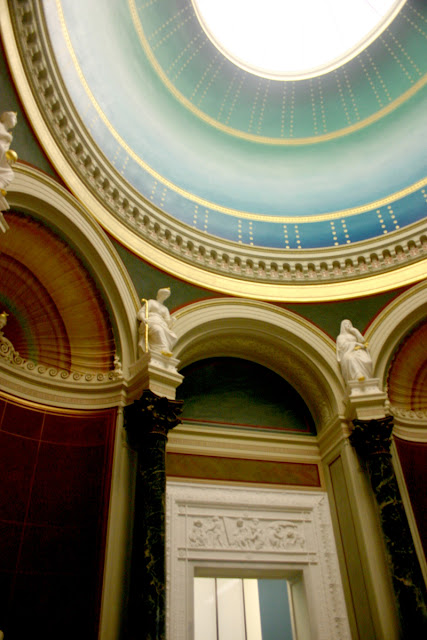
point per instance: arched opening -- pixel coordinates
(232, 392)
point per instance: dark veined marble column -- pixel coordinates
(372, 441)
(148, 421)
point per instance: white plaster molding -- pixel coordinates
(156, 372)
(58, 388)
(216, 441)
(362, 388)
(408, 424)
(398, 318)
(12, 358)
(366, 401)
(368, 267)
(84, 391)
(262, 530)
(410, 430)
(332, 437)
(414, 417)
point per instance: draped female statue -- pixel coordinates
(352, 354)
(155, 321)
(8, 157)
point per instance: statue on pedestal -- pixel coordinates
(352, 354)
(8, 157)
(155, 328)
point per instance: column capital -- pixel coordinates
(372, 437)
(151, 414)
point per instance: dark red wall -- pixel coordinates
(413, 459)
(55, 470)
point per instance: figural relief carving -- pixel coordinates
(244, 533)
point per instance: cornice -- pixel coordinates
(238, 443)
(49, 387)
(409, 425)
(364, 268)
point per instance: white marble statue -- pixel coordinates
(352, 354)
(155, 326)
(8, 157)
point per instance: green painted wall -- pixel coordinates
(25, 142)
(240, 393)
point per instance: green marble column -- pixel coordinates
(372, 441)
(148, 421)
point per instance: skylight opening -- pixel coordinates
(293, 39)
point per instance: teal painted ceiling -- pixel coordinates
(316, 163)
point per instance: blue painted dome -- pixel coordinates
(315, 163)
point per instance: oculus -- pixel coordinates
(293, 40)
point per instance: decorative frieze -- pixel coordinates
(10, 357)
(410, 414)
(245, 533)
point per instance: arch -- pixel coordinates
(389, 328)
(273, 337)
(242, 393)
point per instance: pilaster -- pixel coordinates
(148, 421)
(372, 440)
(139, 462)
(367, 583)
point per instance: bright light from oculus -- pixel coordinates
(293, 39)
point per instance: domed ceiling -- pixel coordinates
(300, 190)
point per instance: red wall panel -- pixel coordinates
(413, 459)
(55, 470)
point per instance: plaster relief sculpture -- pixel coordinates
(207, 532)
(352, 354)
(155, 328)
(283, 535)
(244, 533)
(247, 534)
(8, 157)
